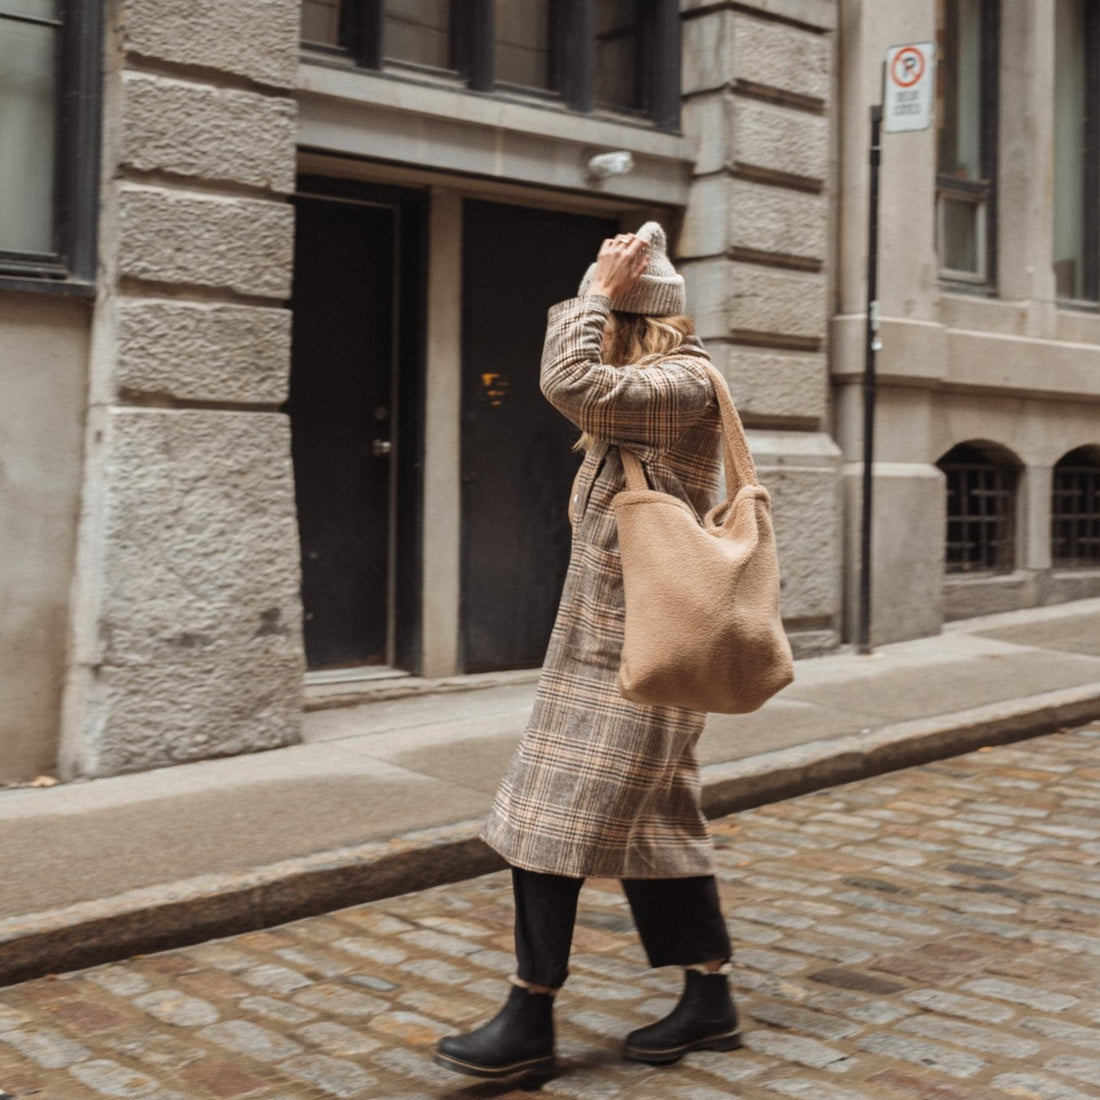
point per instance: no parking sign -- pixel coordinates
(910, 81)
(907, 105)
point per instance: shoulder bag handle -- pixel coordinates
(740, 469)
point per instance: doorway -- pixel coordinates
(517, 462)
(354, 409)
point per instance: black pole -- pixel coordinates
(872, 345)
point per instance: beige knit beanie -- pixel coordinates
(660, 291)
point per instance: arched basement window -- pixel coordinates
(1075, 509)
(981, 508)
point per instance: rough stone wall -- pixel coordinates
(755, 251)
(187, 636)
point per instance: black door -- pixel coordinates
(347, 348)
(517, 464)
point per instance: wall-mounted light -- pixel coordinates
(604, 165)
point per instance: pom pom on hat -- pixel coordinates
(654, 235)
(660, 291)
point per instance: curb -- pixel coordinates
(773, 776)
(206, 907)
(156, 918)
(338, 695)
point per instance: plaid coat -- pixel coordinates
(599, 785)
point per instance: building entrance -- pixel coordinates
(354, 368)
(516, 462)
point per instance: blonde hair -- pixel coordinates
(637, 340)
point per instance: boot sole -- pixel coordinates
(731, 1040)
(532, 1067)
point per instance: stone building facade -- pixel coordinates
(759, 84)
(196, 529)
(185, 627)
(989, 374)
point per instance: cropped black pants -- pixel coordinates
(679, 921)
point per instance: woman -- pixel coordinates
(599, 785)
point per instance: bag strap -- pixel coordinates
(636, 480)
(740, 469)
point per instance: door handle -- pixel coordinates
(381, 447)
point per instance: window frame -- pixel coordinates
(556, 61)
(982, 474)
(71, 266)
(983, 192)
(1090, 197)
(473, 46)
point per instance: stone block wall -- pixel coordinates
(755, 249)
(187, 617)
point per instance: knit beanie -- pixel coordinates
(660, 291)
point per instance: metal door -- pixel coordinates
(342, 417)
(517, 463)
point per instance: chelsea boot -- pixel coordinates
(704, 1019)
(518, 1039)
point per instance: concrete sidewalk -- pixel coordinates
(386, 797)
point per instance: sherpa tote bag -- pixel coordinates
(703, 629)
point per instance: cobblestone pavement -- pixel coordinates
(928, 934)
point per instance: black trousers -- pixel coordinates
(679, 921)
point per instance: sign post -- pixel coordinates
(907, 107)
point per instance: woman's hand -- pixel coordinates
(621, 262)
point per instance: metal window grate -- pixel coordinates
(1075, 510)
(981, 511)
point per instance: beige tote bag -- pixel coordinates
(703, 629)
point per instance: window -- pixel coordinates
(981, 509)
(1075, 509)
(618, 28)
(590, 55)
(525, 47)
(966, 120)
(417, 32)
(49, 97)
(321, 22)
(1076, 156)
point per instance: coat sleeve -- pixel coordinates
(644, 406)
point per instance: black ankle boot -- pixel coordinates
(518, 1039)
(704, 1019)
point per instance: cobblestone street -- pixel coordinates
(929, 934)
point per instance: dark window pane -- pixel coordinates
(523, 43)
(321, 21)
(961, 249)
(27, 130)
(418, 31)
(1070, 129)
(618, 43)
(960, 108)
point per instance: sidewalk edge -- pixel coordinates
(170, 915)
(770, 777)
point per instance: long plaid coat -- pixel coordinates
(599, 785)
